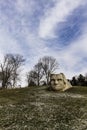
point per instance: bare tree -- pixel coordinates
(35, 75)
(49, 65)
(39, 72)
(44, 68)
(9, 69)
(31, 78)
(18, 60)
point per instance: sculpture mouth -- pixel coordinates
(57, 85)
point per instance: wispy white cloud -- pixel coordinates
(55, 15)
(25, 6)
(8, 44)
(73, 58)
(20, 5)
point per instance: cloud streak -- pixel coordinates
(56, 15)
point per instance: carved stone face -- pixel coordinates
(59, 82)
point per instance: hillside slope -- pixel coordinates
(36, 108)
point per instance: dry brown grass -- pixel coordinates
(39, 109)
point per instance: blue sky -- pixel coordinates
(36, 28)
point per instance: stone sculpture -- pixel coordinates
(59, 82)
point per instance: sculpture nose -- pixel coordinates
(56, 82)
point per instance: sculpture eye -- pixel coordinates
(52, 79)
(59, 79)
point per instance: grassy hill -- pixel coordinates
(36, 108)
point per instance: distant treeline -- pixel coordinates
(79, 80)
(10, 69)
